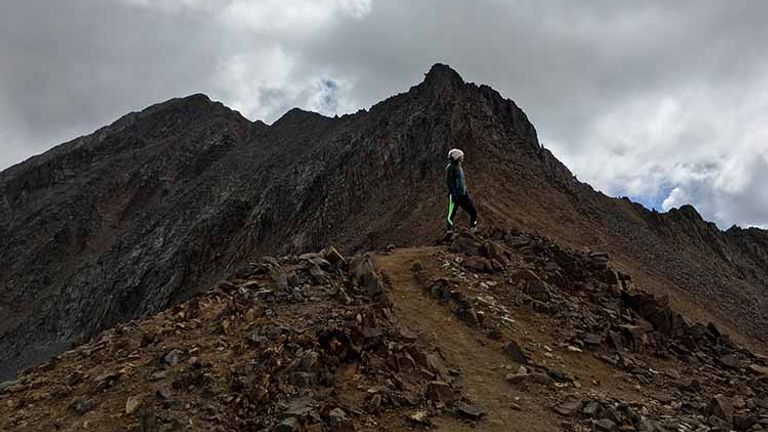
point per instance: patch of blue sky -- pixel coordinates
(654, 201)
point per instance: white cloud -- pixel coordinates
(707, 145)
(325, 98)
(261, 84)
(272, 18)
(262, 47)
(291, 18)
(734, 194)
(255, 82)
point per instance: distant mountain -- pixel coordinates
(164, 202)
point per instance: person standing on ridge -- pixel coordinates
(458, 196)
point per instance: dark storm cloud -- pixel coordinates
(67, 68)
(662, 101)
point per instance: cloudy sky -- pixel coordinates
(665, 102)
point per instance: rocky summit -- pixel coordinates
(162, 273)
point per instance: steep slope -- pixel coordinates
(161, 204)
(76, 223)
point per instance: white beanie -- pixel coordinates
(455, 154)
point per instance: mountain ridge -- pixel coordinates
(128, 220)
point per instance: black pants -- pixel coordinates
(465, 202)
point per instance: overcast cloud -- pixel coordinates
(662, 101)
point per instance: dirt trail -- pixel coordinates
(481, 364)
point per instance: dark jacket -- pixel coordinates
(454, 178)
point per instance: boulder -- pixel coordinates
(598, 260)
(610, 277)
(758, 369)
(523, 275)
(516, 353)
(612, 414)
(658, 312)
(743, 422)
(366, 277)
(537, 289)
(82, 406)
(518, 379)
(472, 412)
(319, 277)
(541, 378)
(606, 425)
(636, 337)
(301, 408)
(517, 241)
(615, 340)
(690, 384)
(107, 380)
(159, 375)
(333, 256)
(720, 406)
(648, 425)
(464, 244)
(493, 251)
(173, 357)
(592, 409)
(521, 377)
(163, 393)
(436, 365)
(290, 424)
(419, 417)
(570, 408)
(132, 404)
(406, 334)
(271, 261)
(592, 340)
(339, 422)
(469, 315)
(479, 264)
(440, 392)
(730, 361)
(718, 423)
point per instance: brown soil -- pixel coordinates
(480, 360)
(481, 364)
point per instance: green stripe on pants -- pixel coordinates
(451, 205)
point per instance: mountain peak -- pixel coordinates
(443, 77)
(296, 116)
(688, 211)
(194, 102)
(197, 99)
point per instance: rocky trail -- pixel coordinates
(480, 366)
(501, 331)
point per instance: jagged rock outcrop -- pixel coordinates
(157, 206)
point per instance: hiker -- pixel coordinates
(458, 195)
